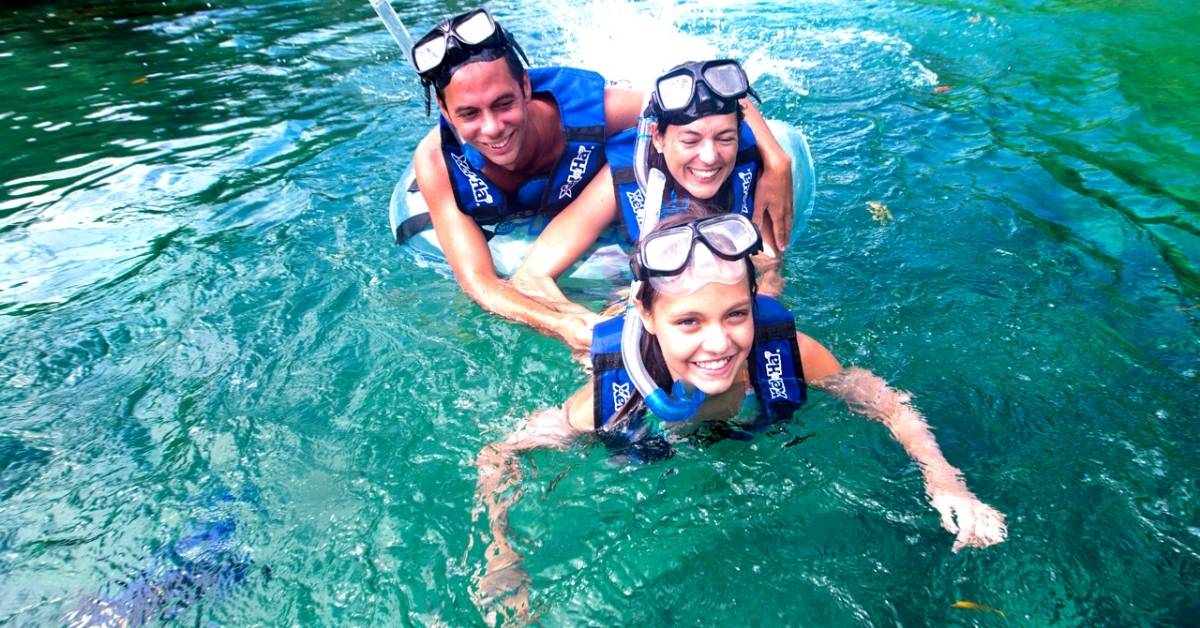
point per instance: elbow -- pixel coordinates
(864, 392)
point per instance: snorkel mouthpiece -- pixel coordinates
(682, 404)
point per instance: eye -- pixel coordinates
(728, 139)
(738, 315)
(468, 115)
(504, 105)
(687, 322)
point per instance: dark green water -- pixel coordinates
(198, 294)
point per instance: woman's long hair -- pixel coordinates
(651, 352)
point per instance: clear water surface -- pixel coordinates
(199, 297)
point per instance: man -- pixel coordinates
(511, 142)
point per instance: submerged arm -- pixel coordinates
(974, 523)
(498, 488)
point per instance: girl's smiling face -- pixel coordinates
(705, 336)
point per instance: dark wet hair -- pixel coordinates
(515, 69)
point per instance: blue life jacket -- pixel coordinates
(579, 95)
(776, 375)
(620, 152)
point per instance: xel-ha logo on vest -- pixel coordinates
(747, 177)
(479, 187)
(621, 393)
(775, 383)
(637, 200)
(578, 166)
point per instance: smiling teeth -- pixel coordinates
(500, 145)
(713, 365)
(705, 174)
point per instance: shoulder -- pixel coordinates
(429, 152)
(579, 409)
(818, 361)
(622, 107)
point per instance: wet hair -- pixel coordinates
(515, 69)
(652, 355)
(655, 159)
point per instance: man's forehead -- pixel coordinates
(479, 83)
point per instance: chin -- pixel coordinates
(711, 388)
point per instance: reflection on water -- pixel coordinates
(198, 294)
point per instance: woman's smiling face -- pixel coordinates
(701, 154)
(705, 336)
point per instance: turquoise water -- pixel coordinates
(198, 297)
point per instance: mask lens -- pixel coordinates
(475, 28)
(668, 250)
(731, 236)
(674, 92)
(726, 79)
(428, 54)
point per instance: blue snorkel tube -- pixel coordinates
(684, 400)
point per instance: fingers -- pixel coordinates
(783, 226)
(980, 526)
(947, 512)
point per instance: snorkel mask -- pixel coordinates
(696, 89)
(465, 38)
(673, 264)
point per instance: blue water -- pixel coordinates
(198, 294)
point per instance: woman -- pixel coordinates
(707, 327)
(708, 151)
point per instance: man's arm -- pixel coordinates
(467, 252)
(622, 108)
(773, 202)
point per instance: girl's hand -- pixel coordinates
(974, 523)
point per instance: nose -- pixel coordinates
(491, 124)
(716, 340)
(708, 152)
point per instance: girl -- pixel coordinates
(706, 327)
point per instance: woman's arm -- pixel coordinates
(974, 523)
(568, 236)
(498, 488)
(773, 202)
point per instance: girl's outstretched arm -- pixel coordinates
(498, 488)
(974, 523)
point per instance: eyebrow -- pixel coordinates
(742, 305)
(470, 108)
